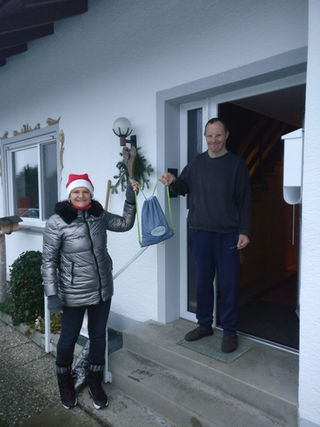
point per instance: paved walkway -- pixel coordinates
(28, 387)
(29, 393)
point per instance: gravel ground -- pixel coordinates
(28, 387)
(29, 393)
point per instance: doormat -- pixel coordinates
(211, 347)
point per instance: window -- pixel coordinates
(30, 175)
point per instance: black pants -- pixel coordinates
(71, 322)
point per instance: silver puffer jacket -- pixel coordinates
(76, 265)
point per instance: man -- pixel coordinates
(218, 186)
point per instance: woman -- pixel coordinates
(77, 276)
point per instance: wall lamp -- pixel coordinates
(122, 128)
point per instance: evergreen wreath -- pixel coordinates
(142, 171)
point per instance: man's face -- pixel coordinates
(216, 138)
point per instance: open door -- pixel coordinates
(269, 266)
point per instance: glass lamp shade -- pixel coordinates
(122, 127)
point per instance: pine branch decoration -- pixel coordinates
(142, 171)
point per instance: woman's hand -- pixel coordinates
(134, 186)
(54, 304)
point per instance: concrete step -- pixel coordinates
(122, 411)
(181, 398)
(263, 377)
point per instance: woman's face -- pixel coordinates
(80, 197)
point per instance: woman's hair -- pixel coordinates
(215, 120)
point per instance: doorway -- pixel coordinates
(269, 266)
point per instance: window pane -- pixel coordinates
(49, 178)
(195, 133)
(25, 182)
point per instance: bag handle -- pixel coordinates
(169, 204)
(137, 214)
(170, 211)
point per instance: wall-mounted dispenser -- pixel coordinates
(292, 172)
(292, 166)
(292, 180)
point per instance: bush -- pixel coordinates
(6, 307)
(26, 288)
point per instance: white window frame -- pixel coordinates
(33, 139)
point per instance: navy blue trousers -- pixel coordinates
(216, 252)
(71, 322)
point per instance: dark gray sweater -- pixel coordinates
(219, 193)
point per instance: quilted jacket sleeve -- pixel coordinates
(121, 223)
(50, 256)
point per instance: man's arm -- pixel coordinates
(178, 186)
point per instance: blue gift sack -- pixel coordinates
(155, 227)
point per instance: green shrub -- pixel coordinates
(141, 172)
(26, 288)
(6, 307)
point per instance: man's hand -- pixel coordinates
(167, 178)
(243, 241)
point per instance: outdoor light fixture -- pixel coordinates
(123, 128)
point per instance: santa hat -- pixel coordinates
(75, 181)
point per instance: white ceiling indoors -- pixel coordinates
(286, 105)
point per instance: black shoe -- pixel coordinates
(66, 387)
(99, 397)
(198, 333)
(229, 343)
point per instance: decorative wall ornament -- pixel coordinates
(61, 139)
(26, 128)
(51, 121)
(141, 173)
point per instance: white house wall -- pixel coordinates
(309, 372)
(110, 62)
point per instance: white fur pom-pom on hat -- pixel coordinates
(75, 181)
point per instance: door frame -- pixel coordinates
(184, 108)
(280, 71)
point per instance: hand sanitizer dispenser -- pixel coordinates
(292, 166)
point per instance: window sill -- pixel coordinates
(32, 228)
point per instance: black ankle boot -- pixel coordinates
(66, 387)
(95, 377)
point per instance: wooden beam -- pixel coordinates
(15, 38)
(4, 53)
(42, 13)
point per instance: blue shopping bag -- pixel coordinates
(154, 224)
